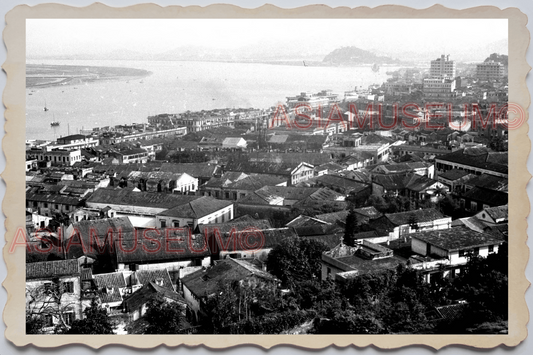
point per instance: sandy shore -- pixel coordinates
(38, 75)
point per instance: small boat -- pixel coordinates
(54, 123)
(45, 108)
(304, 63)
(375, 67)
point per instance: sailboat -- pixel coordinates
(45, 108)
(375, 67)
(305, 64)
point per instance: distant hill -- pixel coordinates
(500, 58)
(356, 56)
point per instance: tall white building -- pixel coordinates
(442, 67)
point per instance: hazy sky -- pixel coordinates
(75, 36)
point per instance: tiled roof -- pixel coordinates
(49, 269)
(146, 276)
(453, 174)
(197, 208)
(90, 230)
(154, 247)
(209, 229)
(197, 170)
(114, 279)
(457, 238)
(486, 196)
(253, 239)
(479, 158)
(139, 198)
(498, 212)
(54, 198)
(490, 182)
(421, 216)
(147, 292)
(203, 283)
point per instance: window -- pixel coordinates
(491, 248)
(163, 223)
(461, 253)
(47, 287)
(69, 318)
(476, 251)
(68, 287)
(48, 320)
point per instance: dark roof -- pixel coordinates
(498, 212)
(54, 198)
(421, 216)
(196, 170)
(486, 196)
(197, 208)
(238, 225)
(453, 174)
(140, 198)
(335, 181)
(146, 276)
(479, 158)
(50, 269)
(283, 169)
(490, 182)
(252, 239)
(330, 240)
(149, 291)
(153, 246)
(114, 279)
(90, 230)
(457, 238)
(204, 283)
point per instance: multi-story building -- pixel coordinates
(323, 98)
(439, 87)
(73, 142)
(58, 157)
(442, 67)
(490, 70)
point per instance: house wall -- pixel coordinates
(70, 302)
(223, 215)
(442, 223)
(243, 253)
(193, 301)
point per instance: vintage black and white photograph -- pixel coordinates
(267, 176)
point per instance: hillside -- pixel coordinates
(500, 58)
(356, 56)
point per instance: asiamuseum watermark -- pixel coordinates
(148, 240)
(430, 116)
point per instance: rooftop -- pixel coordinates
(457, 238)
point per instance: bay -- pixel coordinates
(178, 86)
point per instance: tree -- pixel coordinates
(296, 260)
(413, 221)
(96, 321)
(49, 299)
(34, 324)
(351, 228)
(164, 317)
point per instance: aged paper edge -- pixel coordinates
(14, 149)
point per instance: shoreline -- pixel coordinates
(50, 75)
